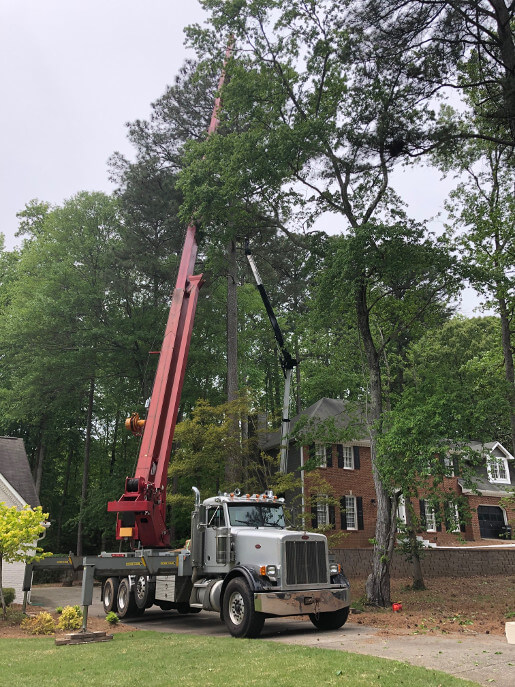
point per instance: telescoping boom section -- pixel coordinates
(141, 511)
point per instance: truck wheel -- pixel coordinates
(143, 592)
(330, 621)
(110, 594)
(126, 603)
(239, 614)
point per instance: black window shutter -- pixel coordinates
(456, 465)
(343, 514)
(422, 505)
(329, 455)
(437, 517)
(332, 518)
(312, 451)
(359, 508)
(340, 455)
(356, 457)
(463, 526)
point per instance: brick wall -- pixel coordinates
(343, 482)
(436, 562)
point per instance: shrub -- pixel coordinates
(59, 610)
(112, 618)
(14, 617)
(71, 618)
(42, 624)
(9, 595)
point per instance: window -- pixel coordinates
(348, 457)
(452, 517)
(322, 510)
(430, 517)
(321, 455)
(401, 510)
(497, 468)
(351, 512)
(215, 516)
(449, 466)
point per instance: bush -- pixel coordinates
(59, 610)
(71, 618)
(9, 595)
(14, 617)
(112, 618)
(42, 624)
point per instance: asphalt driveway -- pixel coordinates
(485, 659)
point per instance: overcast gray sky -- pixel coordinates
(73, 72)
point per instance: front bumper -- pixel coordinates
(302, 602)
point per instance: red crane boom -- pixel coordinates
(141, 510)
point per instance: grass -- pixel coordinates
(164, 659)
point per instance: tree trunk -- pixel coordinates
(113, 445)
(508, 362)
(231, 465)
(39, 465)
(63, 499)
(85, 471)
(2, 600)
(418, 578)
(378, 582)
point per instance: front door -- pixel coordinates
(491, 521)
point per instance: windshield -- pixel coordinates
(256, 515)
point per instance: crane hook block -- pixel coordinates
(135, 425)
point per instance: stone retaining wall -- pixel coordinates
(436, 562)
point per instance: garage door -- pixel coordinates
(491, 521)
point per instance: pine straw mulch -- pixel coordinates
(466, 605)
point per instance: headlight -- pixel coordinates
(335, 569)
(268, 570)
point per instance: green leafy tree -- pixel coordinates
(482, 212)
(436, 38)
(312, 120)
(454, 393)
(19, 531)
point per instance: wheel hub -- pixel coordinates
(236, 608)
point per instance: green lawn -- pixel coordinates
(162, 660)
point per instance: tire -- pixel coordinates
(125, 599)
(330, 621)
(165, 605)
(238, 608)
(143, 592)
(110, 595)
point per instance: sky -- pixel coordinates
(74, 72)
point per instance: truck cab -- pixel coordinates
(247, 565)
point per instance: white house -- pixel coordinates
(16, 489)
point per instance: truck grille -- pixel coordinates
(305, 562)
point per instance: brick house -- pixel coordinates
(16, 489)
(347, 502)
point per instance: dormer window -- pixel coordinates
(498, 471)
